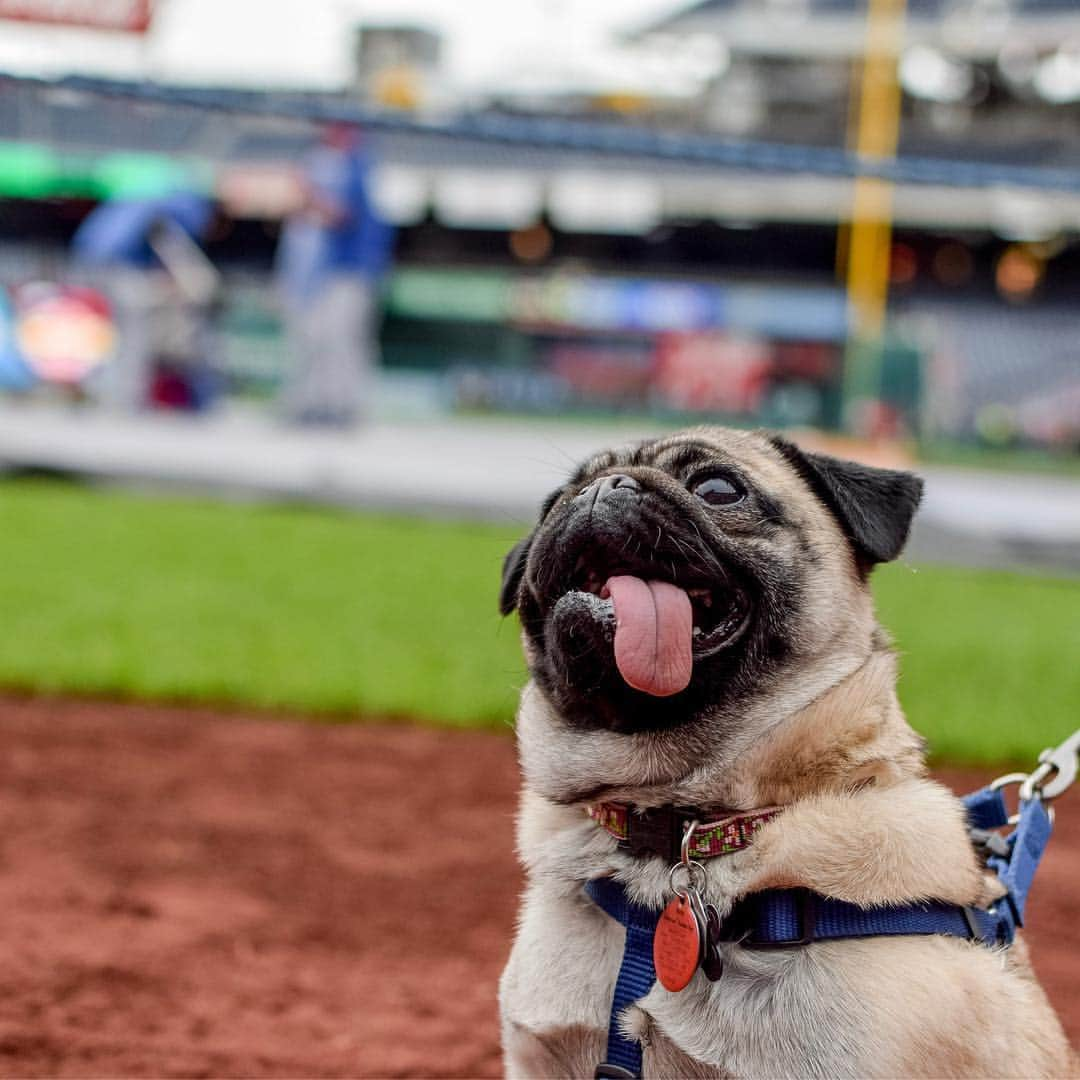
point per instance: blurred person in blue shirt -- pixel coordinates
(333, 253)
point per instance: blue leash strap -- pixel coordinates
(1028, 844)
(986, 808)
(788, 918)
(636, 973)
(1014, 858)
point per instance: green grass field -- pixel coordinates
(118, 594)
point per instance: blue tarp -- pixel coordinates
(117, 231)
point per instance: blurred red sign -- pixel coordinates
(63, 331)
(712, 372)
(131, 16)
(606, 373)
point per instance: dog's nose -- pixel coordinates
(604, 487)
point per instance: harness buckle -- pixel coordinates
(1003, 926)
(989, 843)
(807, 926)
(973, 925)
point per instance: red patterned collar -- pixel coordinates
(659, 830)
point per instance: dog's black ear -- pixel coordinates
(513, 572)
(874, 506)
(518, 555)
(513, 565)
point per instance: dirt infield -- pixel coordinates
(187, 894)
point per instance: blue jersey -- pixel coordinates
(361, 242)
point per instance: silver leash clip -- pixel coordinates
(1056, 771)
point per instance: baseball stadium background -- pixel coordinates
(258, 782)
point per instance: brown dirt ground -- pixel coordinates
(190, 894)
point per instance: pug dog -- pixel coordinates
(698, 624)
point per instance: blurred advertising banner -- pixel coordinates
(603, 372)
(698, 374)
(129, 16)
(713, 372)
(605, 343)
(607, 303)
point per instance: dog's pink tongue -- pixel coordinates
(654, 626)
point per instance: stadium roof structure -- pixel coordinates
(974, 29)
(489, 170)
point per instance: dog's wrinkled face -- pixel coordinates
(679, 578)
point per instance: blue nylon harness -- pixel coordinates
(789, 918)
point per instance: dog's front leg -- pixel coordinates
(882, 845)
(556, 988)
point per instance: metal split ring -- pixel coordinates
(695, 877)
(687, 836)
(1009, 778)
(1030, 788)
(1032, 785)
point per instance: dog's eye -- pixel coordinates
(718, 490)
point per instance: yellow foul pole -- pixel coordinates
(869, 238)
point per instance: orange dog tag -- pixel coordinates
(677, 944)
